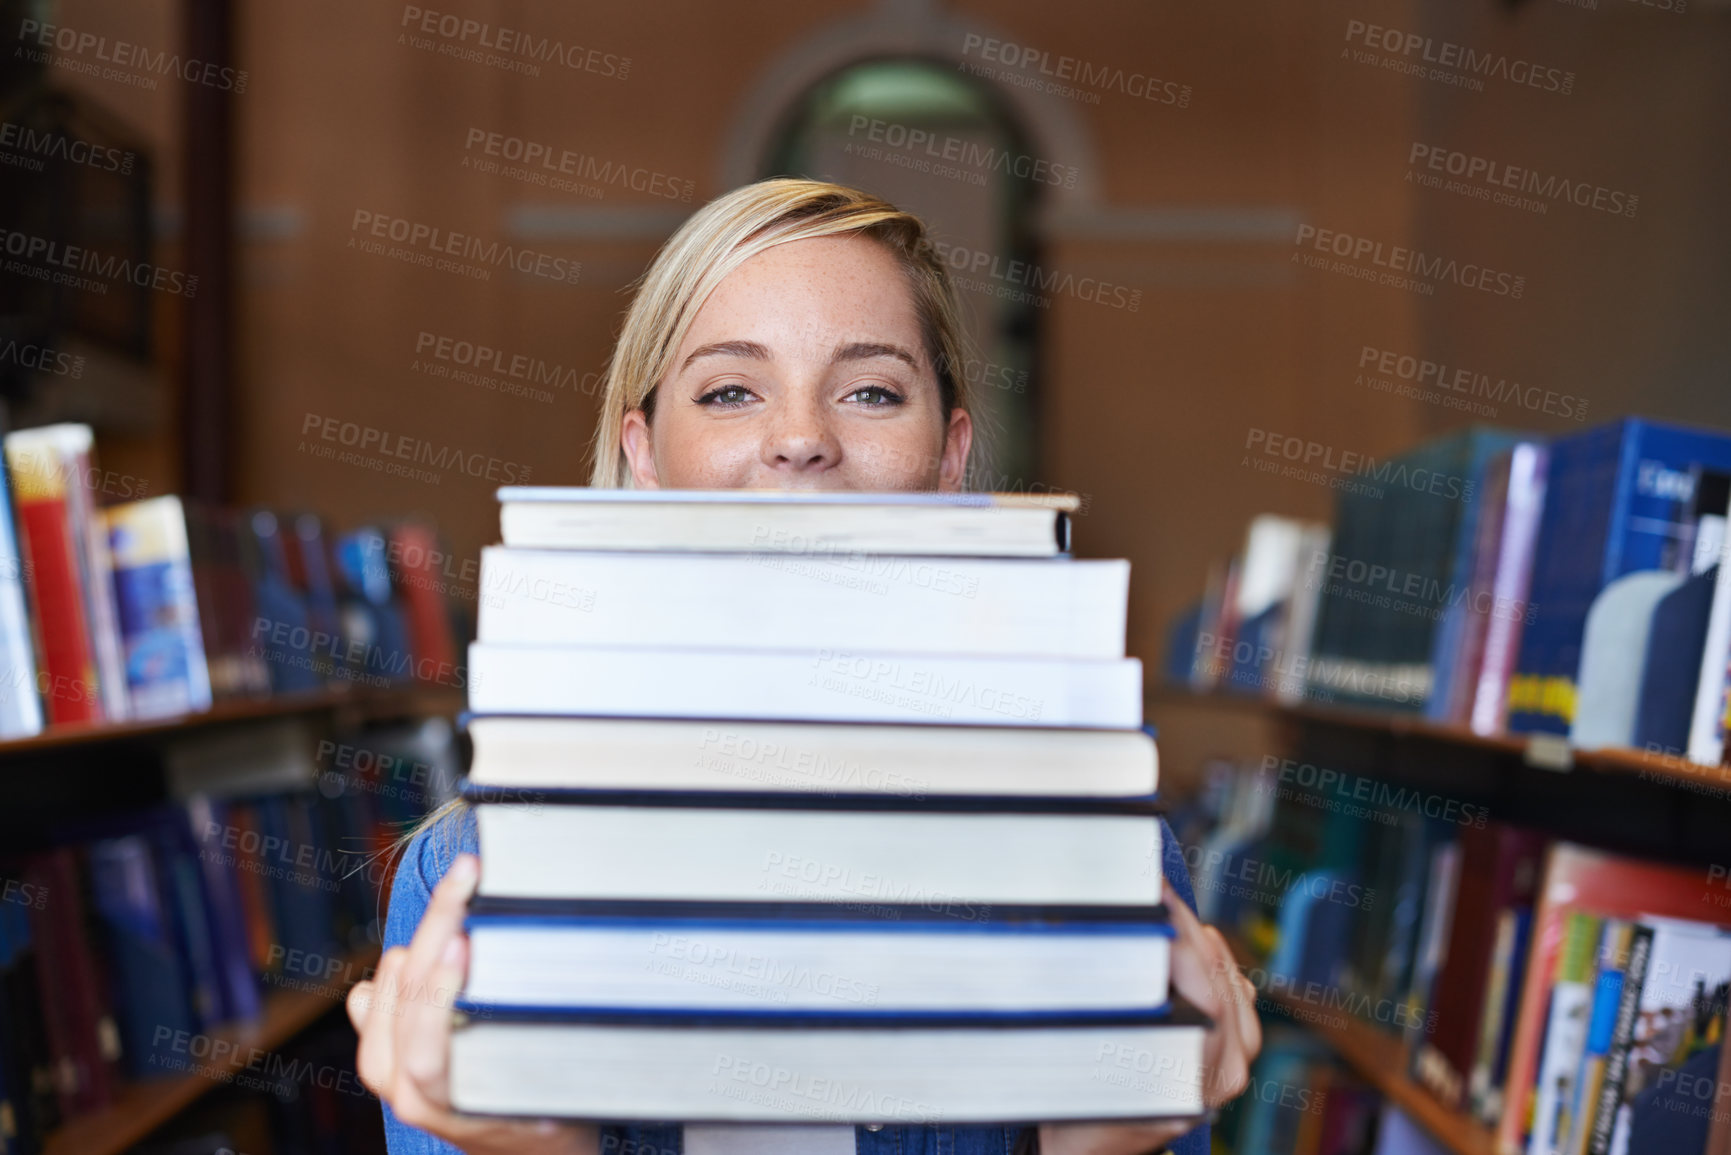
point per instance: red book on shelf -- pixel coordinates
(413, 550)
(1499, 869)
(56, 597)
(1576, 878)
(82, 1038)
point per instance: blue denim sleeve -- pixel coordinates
(423, 863)
(1178, 880)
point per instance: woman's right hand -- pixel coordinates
(403, 1016)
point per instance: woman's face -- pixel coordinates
(804, 369)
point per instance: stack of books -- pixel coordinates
(803, 807)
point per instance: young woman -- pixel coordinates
(794, 335)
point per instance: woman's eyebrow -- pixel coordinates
(851, 351)
(749, 349)
(865, 350)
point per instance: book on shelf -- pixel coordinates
(125, 934)
(1391, 619)
(911, 851)
(1500, 603)
(47, 491)
(1578, 880)
(1711, 704)
(1671, 666)
(1506, 596)
(158, 607)
(1620, 500)
(20, 706)
(1614, 641)
(166, 666)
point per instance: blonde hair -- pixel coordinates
(724, 234)
(714, 241)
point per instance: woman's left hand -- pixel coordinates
(1205, 973)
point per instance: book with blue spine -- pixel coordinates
(150, 972)
(1480, 449)
(20, 705)
(166, 668)
(794, 959)
(1402, 564)
(1620, 500)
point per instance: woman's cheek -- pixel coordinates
(708, 456)
(891, 459)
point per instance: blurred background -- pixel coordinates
(422, 221)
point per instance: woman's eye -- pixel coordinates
(876, 396)
(726, 397)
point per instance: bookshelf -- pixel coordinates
(141, 1108)
(1585, 796)
(1380, 1059)
(1540, 751)
(366, 703)
(1683, 810)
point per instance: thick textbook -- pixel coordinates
(805, 685)
(701, 1070)
(810, 522)
(827, 758)
(1061, 609)
(958, 854)
(650, 960)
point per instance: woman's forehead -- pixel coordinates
(805, 298)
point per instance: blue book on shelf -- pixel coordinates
(371, 613)
(282, 627)
(1672, 665)
(185, 902)
(1478, 449)
(1255, 652)
(299, 877)
(166, 673)
(1620, 499)
(20, 706)
(226, 914)
(147, 969)
(1181, 642)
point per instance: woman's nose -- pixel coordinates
(800, 440)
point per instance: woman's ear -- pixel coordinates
(953, 465)
(634, 439)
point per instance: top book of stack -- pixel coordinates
(784, 521)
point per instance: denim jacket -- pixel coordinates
(425, 861)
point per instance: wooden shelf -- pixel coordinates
(1544, 751)
(140, 1108)
(1380, 1059)
(408, 699)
